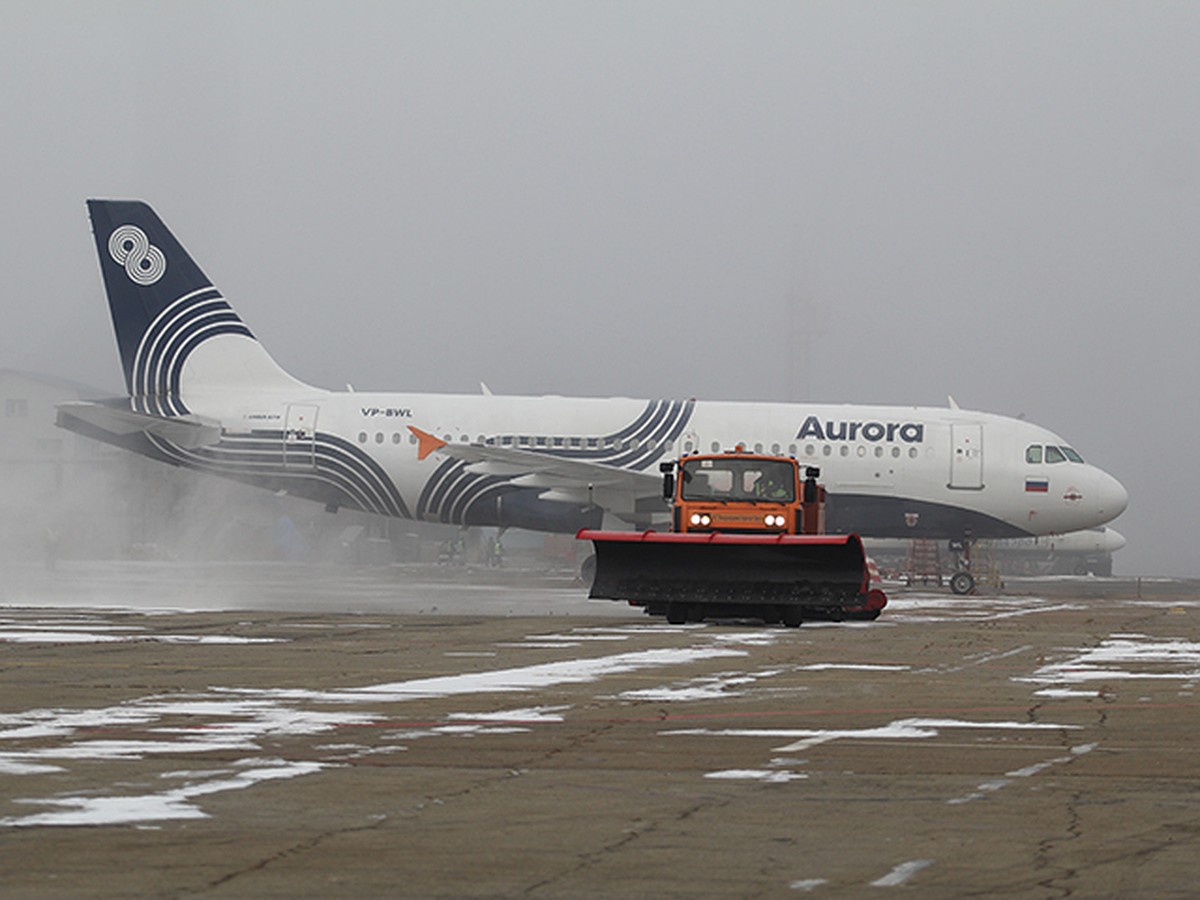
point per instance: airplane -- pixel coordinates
(204, 393)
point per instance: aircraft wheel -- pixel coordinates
(962, 582)
(677, 613)
(1081, 568)
(587, 571)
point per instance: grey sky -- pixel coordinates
(875, 202)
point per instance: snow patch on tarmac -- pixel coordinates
(522, 716)
(89, 630)
(175, 803)
(920, 607)
(767, 776)
(901, 729)
(1119, 657)
(709, 687)
(524, 678)
(239, 720)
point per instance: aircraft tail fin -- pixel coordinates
(177, 336)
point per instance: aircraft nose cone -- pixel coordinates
(1111, 496)
(1113, 540)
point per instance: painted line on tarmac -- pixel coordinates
(990, 787)
(902, 873)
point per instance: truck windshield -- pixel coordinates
(738, 479)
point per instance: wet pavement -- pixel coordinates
(257, 731)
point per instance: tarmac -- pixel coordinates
(169, 730)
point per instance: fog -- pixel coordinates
(845, 202)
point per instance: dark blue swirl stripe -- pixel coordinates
(170, 339)
(336, 463)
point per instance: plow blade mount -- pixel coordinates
(809, 575)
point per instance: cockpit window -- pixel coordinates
(1054, 455)
(1033, 453)
(1072, 455)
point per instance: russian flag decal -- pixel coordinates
(1037, 485)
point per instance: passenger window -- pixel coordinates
(1054, 455)
(1033, 453)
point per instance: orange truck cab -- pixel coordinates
(742, 493)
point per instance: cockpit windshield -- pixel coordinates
(1036, 453)
(738, 479)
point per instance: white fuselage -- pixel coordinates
(891, 471)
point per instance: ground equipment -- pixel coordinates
(746, 541)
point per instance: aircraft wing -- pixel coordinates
(561, 477)
(185, 431)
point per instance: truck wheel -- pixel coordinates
(677, 613)
(962, 582)
(792, 617)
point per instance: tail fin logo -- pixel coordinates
(129, 247)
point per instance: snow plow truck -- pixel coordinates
(747, 541)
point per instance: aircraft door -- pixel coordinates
(300, 437)
(966, 457)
